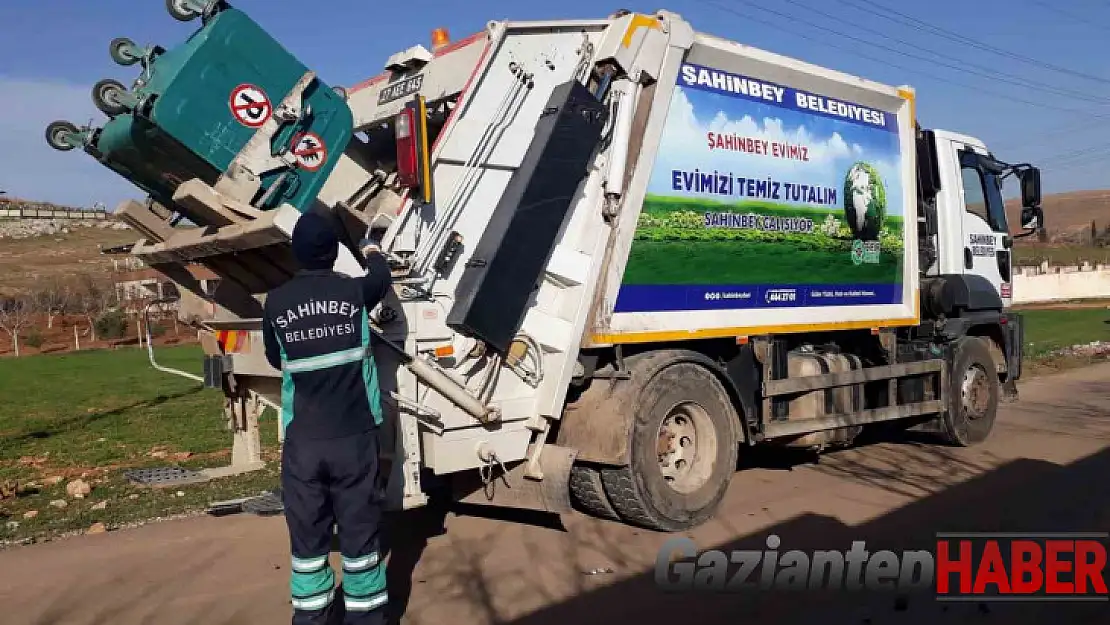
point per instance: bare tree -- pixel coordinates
(15, 315)
(93, 297)
(138, 301)
(54, 300)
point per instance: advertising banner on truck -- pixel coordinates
(765, 196)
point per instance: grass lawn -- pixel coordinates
(1051, 329)
(95, 414)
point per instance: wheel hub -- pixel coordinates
(686, 447)
(677, 435)
(975, 392)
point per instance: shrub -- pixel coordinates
(111, 325)
(34, 339)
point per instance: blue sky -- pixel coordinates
(43, 78)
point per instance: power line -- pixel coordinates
(887, 49)
(1093, 154)
(1067, 14)
(913, 22)
(1057, 131)
(1072, 154)
(986, 75)
(1014, 79)
(1074, 167)
(978, 89)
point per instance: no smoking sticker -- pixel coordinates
(250, 106)
(310, 151)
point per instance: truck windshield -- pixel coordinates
(982, 192)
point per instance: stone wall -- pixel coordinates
(1047, 283)
(28, 228)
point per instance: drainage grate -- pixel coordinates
(163, 476)
(265, 505)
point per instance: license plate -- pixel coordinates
(400, 89)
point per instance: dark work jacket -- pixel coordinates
(316, 334)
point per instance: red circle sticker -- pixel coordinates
(310, 151)
(250, 106)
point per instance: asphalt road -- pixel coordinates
(1045, 468)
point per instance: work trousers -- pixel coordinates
(327, 482)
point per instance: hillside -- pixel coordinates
(36, 251)
(25, 262)
(1068, 216)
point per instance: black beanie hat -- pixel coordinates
(315, 243)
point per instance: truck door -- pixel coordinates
(986, 238)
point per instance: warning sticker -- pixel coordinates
(250, 106)
(310, 151)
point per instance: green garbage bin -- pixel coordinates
(202, 101)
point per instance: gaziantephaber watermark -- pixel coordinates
(961, 567)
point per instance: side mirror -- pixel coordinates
(1030, 188)
(928, 170)
(1032, 218)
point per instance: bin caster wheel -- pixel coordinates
(109, 96)
(124, 51)
(60, 136)
(182, 10)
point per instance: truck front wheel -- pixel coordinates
(973, 394)
(683, 451)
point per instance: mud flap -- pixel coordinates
(1015, 354)
(509, 488)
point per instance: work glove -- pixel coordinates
(372, 241)
(369, 246)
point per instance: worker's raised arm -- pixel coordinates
(377, 281)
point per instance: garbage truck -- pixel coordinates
(624, 252)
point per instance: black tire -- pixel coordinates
(107, 97)
(588, 493)
(120, 49)
(973, 397)
(179, 12)
(55, 135)
(639, 492)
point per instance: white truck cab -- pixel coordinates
(967, 238)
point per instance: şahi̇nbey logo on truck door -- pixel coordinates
(981, 244)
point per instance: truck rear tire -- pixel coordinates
(683, 451)
(973, 394)
(588, 493)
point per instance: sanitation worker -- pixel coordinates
(316, 334)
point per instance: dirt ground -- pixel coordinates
(1044, 469)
